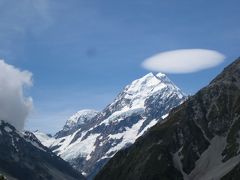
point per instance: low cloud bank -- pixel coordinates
(14, 106)
(183, 61)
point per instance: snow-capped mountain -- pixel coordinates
(89, 138)
(23, 157)
(81, 117)
(198, 141)
(77, 121)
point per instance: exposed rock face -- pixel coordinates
(199, 140)
(23, 157)
(139, 106)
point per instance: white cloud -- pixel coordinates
(183, 61)
(14, 106)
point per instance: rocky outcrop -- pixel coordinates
(23, 157)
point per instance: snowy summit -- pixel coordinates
(89, 138)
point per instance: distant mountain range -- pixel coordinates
(90, 138)
(23, 157)
(199, 140)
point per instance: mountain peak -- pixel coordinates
(138, 107)
(198, 140)
(80, 118)
(149, 74)
(139, 90)
(145, 84)
(152, 75)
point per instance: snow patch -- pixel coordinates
(80, 148)
(64, 142)
(118, 116)
(128, 137)
(151, 124)
(164, 116)
(44, 138)
(7, 129)
(80, 117)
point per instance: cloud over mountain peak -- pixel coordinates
(14, 106)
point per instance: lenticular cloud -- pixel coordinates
(14, 106)
(183, 61)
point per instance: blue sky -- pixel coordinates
(82, 53)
